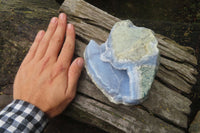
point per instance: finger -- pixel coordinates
(31, 53)
(67, 51)
(73, 76)
(45, 41)
(57, 40)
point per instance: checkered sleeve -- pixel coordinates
(22, 117)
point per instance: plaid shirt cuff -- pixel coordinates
(22, 117)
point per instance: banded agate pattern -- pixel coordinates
(124, 67)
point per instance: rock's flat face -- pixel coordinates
(124, 67)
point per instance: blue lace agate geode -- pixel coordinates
(124, 67)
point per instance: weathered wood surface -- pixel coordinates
(166, 109)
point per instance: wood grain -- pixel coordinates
(176, 76)
(116, 119)
(165, 110)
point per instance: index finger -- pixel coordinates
(67, 51)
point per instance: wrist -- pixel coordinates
(22, 116)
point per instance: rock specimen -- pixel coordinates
(124, 67)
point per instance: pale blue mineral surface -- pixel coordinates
(124, 67)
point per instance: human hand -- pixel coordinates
(46, 77)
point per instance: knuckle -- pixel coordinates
(69, 45)
(42, 43)
(44, 63)
(70, 97)
(58, 70)
(75, 70)
(45, 60)
(51, 27)
(53, 22)
(57, 39)
(62, 23)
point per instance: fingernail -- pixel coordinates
(69, 26)
(40, 32)
(54, 20)
(62, 16)
(80, 62)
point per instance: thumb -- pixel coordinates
(73, 76)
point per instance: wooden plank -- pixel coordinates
(81, 12)
(162, 101)
(173, 76)
(172, 80)
(166, 104)
(158, 103)
(187, 73)
(172, 97)
(89, 26)
(78, 114)
(124, 122)
(176, 67)
(171, 50)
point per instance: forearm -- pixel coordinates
(21, 116)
